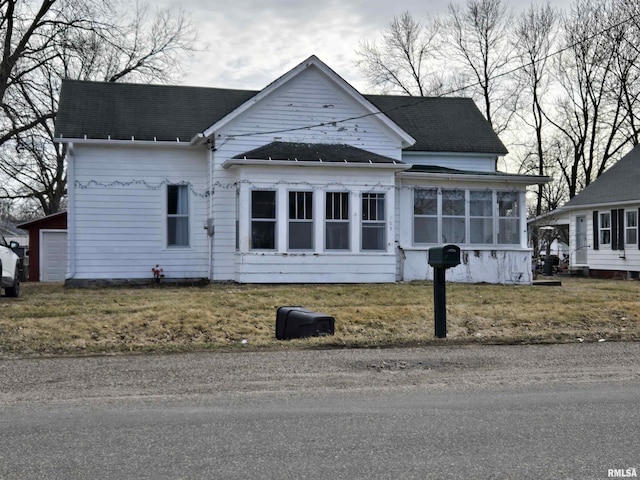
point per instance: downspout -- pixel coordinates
(71, 217)
(210, 227)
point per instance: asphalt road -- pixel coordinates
(520, 412)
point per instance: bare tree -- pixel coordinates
(402, 60)
(95, 40)
(590, 113)
(534, 31)
(480, 36)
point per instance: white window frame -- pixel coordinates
(373, 218)
(330, 214)
(631, 227)
(182, 204)
(272, 220)
(513, 218)
(604, 228)
(425, 216)
(301, 213)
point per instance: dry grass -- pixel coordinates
(52, 319)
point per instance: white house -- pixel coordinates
(304, 181)
(603, 222)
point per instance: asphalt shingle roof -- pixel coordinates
(315, 152)
(120, 111)
(620, 183)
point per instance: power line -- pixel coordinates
(419, 100)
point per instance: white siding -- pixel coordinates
(308, 99)
(506, 266)
(53, 255)
(604, 258)
(457, 161)
(317, 266)
(119, 211)
(495, 263)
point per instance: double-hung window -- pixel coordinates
(373, 222)
(300, 220)
(177, 215)
(481, 217)
(631, 227)
(508, 218)
(263, 219)
(337, 221)
(605, 228)
(425, 215)
(453, 216)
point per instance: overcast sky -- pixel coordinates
(247, 44)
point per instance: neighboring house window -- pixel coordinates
(425, 215)
(605, 229)
(263, 219)
(453, 216)
(631, 227)
(508, 218)
(481, 217)
(177, 215)
(337, 221)
(373, 222)
(301, 220)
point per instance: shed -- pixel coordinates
(47, 247)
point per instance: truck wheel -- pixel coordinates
(14, 290)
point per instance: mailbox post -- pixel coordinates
(441, 258)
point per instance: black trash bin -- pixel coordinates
(300, 322)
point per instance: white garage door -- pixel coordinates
(53, 255)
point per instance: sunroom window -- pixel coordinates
(453, 216)
(373, 222)
(301, 220)
(508, 218)
(337, 221)
(481, 217)
(263, 220)
(425, 215)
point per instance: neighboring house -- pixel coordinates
(304, 181)
(47, 248)
(603, 222)
(11, 233)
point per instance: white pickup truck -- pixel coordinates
(9, 266)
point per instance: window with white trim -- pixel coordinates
(508, 217)
(471, 217)
(263, 220)
(631, 227)
(374, 229)
(605, 228)
(337, 223)
(425, 215)
(453, 216)
(481, 217)
(300, 220)
(177, 215)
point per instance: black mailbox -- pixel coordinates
(299, 322)
(444, 256)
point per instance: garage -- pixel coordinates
(47, 248)
(53, 255)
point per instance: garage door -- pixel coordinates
(53, 255)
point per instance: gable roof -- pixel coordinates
(125, 111)
(619, 184)
(441, 124)
(314, 62)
